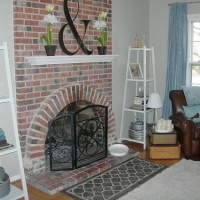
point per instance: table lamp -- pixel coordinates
(154, 102)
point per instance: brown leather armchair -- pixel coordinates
(188, 132)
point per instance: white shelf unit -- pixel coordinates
(9, 118)
(144, 58)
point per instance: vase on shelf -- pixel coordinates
(102, 50)
(50, 50)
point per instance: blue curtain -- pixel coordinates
(177, 53)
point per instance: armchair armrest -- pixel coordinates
(195, 116)
(186, 125)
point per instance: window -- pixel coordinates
(193, 69)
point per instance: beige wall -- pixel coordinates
(130, 17)
(6, 24)
(158, 24)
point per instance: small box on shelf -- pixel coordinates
(163, 138)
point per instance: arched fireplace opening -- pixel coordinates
(77, 136)
(35, 159)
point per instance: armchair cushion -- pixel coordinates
(190, 111)
(192, 95)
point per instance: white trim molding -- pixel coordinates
(47, 60)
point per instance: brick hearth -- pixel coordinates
(54, 182)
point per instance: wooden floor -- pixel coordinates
(35, 194)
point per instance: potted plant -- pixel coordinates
(100, 25)
(49, 19)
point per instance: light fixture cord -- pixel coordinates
(154, 119)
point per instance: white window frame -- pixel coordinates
(191, 18)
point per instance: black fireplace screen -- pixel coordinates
(77, 137)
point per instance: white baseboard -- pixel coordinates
(15, 178)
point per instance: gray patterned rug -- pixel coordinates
(115, 182)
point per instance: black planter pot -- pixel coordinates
(102, 50)
(50, 50)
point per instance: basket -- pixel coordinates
(165, 151)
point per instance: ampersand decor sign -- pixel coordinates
(74, 31)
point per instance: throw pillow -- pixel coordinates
(192, 95)
(190, 111)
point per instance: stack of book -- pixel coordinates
(2, 137)
(3, 141)
(138, 102)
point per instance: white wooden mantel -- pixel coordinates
(49, 60)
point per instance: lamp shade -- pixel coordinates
(154, 101)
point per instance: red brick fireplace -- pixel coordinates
(49, 108)
(43, 90)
